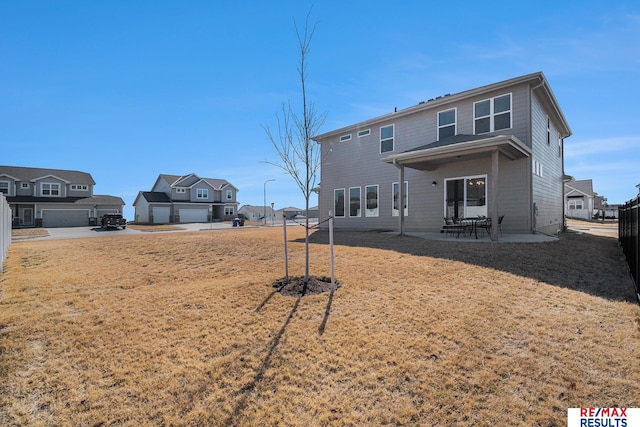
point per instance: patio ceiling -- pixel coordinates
(458, 148)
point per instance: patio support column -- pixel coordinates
(493, 194)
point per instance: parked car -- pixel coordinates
(114, 221)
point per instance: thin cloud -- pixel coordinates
(578, 149)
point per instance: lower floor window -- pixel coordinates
(354, 201)
(228, 210)
(396, 196)
(338, 202)
(466, 197)
(371, 194)
(575, 204)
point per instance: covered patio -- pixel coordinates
(457, 148)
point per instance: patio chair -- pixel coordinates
(450, 226)
(484, 224)
(500, 218)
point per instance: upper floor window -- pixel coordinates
(446, 123)
(346, 137)
(181, 190)
(4, 187)
(386, 138)
(202, 193)
(492, 114)
(229, 195)
(364, 132)
(25, 185)
(50, 189)
(79, 187)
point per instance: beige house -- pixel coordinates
(489, 151)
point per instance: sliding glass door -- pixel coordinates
(466, 197)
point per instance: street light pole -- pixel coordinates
(265, 200)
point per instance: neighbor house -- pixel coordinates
(579, 199)
(187, 198)
(491, 151)
(292, 212)
(41, 197)
(257, 213)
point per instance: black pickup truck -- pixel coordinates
(113, 220)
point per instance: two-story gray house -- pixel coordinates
(185, 199)
(491, 151)
(54, 197)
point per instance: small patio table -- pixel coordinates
(475, 222)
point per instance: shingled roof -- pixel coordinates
(30, 174)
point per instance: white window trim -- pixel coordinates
(8, 187)
(344, 199)
(181, 190)
(465, 178)
(455, 122)
(50, 184)
(396, 212)
(537, 168)
(572, 205)
(228, 210)
(229, 195)
(345, 138)
(492, 113)
(364, 132)
(79, 187)
(559, 146)
(393, 137)
(371, 213)
(360, 197)
(202, 193)
(24, 185)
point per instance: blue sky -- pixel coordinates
(126, 90)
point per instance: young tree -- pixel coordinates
(299, 155)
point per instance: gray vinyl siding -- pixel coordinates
(79, 193)
(547, 190)
(425, 203)
(180, 196)
(358, 163)
(203, 186)
(162, 186)
(142, 210)
(23, 191)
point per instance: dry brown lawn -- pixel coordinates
(185, 329)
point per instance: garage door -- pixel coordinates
(161, 215)
(194, 215)
(65, 218)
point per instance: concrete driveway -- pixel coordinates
(85, 232)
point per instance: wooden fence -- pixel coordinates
(5, 229)
(628, 219)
